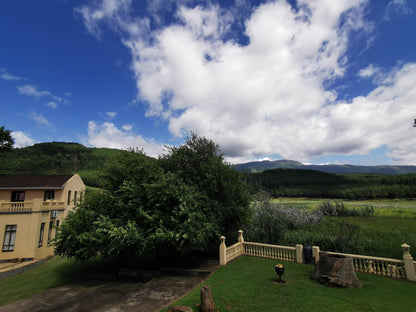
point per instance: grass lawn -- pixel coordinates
(55, 272)
(247, 284)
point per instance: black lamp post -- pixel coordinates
(280, 269)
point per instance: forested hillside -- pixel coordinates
(260, 166)
(312, 183)
(58, 158)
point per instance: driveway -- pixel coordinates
(150, 296)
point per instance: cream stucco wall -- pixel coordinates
(29, 221)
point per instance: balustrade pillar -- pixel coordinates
(299, 253)
(223, 251)
(408, 263)
(240, 236)
(315, 254)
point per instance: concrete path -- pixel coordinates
(151, 296)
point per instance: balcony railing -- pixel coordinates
(16, 207)
(52, 205)
(29, 206)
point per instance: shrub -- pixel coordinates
(271, 221)
(338, 209)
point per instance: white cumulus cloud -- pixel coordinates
(22, 139)
(268, 96)
(108, 135)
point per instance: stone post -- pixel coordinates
(315, 254)
(223, 251)
(408, 263)
(299, 253)
(240, 236)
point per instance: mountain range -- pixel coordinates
(259, 166)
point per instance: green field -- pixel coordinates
(388, 207)
(379, 234)
(248, 284)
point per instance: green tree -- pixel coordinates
(152, 206)
(199, 162)
(6, 140)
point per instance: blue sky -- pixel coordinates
(318, 81)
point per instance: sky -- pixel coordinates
(317, 81)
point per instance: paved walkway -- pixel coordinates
(151, 296)
(12, 268)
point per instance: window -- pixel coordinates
(57, 227)
(69, 198)
(42, 229)
(75, 197)
(49, 195)
(9, 237)
(18, 196)
(50, 231)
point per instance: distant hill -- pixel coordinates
(260, 166)
(284, 182)
(58, 158)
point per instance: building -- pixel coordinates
(31, 209)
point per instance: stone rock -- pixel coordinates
(179, 309)
(336, 271)
(207, 303)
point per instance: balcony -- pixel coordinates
(52, 205)
(13, 207)
(29, 206)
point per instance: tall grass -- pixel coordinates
(333, 227)
(338, 208)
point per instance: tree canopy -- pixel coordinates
(178, 203)
(6, 140)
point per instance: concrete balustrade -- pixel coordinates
(393, 268)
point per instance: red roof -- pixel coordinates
(33, 181)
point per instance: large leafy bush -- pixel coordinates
(176, 204)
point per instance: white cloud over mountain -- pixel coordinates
(109, 135)
(22, 139)
(268, 96)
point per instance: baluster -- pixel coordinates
(376, 267)
(370, 266)
(394, 268)
(384, 271)
(400, 272)
(391, 270)
(358, 267)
